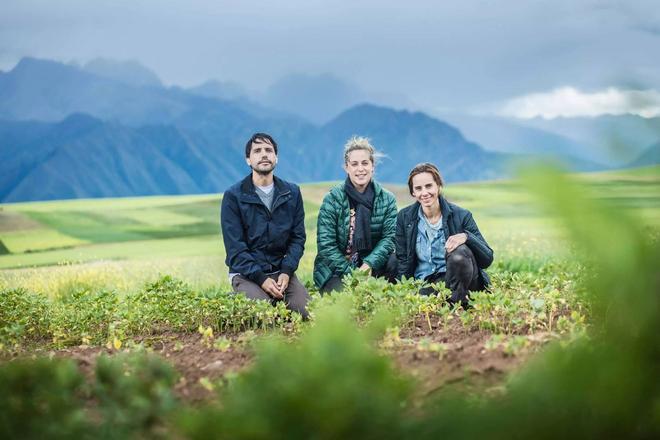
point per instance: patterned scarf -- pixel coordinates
(364, 203)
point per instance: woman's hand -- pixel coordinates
(365, 268)
(455, 241)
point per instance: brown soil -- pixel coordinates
(14, 221)
(187, 353)
(463, 364)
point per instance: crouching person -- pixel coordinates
(263, 228)
(440, 241)
(356, 223)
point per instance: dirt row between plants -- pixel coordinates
(453, 357)
(438, 358)
(198, 364)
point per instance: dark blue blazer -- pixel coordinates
(259, 241)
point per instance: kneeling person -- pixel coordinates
(440, 241)
(263, 228)
(356, 223)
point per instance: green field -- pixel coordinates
(127, 242)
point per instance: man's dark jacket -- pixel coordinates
(259, 241)
(454, 221)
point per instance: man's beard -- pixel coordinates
(264, 172)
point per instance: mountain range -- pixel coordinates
(613, 140)
(113, 129)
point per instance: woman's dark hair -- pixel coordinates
(260, 138)
(425, 167)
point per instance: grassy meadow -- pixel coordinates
(123, 243)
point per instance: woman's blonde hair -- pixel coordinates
(361, 143)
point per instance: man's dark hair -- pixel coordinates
(260, 138)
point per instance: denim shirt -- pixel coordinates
(430, 253)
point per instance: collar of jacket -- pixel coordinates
(249, 194)
(411, 221)
(377, 188)
(445, 208)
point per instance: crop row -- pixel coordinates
(519, 303)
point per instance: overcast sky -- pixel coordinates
(455, 55)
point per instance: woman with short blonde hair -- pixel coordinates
(356, 222)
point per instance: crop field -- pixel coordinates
(116, 320)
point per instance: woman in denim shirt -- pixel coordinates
(440, 241)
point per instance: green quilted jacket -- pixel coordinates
(332, 233)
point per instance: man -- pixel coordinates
(263, 228)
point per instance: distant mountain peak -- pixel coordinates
(366, 109)
(79, 118)
(301, 94)
(49, 91)
(129, 72)
(380, 113)
(28, 60)
(226, 90)
(366, 106)
(77, 123)
(31, 63)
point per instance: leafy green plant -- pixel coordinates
(84, 316)
(171, 304)
(23, 315)
(41, 399)
(165, 304)
(134, 393)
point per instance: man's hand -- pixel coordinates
(283, 282)
(365, 268)
(455, 241)
(272, 288)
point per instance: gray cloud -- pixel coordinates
(439, 54)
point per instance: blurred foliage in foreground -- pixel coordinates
(333, 383)
(49, 398)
